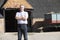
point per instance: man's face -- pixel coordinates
(22, 8)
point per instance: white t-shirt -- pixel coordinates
(19, 14)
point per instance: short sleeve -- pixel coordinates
(17, 14)
(26, 14)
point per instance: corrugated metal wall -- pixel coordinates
(44, 6)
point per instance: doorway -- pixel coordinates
(11, 22)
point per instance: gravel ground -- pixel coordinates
(32, 36)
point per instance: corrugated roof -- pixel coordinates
(16, 4)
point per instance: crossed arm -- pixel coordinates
(21, 18)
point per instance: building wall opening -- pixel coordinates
(11, 22)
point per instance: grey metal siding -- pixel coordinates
(44, 6)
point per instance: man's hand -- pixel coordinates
(21, 18)
(24, 18)
(18, 18)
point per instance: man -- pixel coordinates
(22, 17)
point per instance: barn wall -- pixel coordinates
(44, 6)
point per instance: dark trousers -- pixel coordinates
(22, 29)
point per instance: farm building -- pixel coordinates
(36, 9)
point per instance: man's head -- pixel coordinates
(22, 7)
